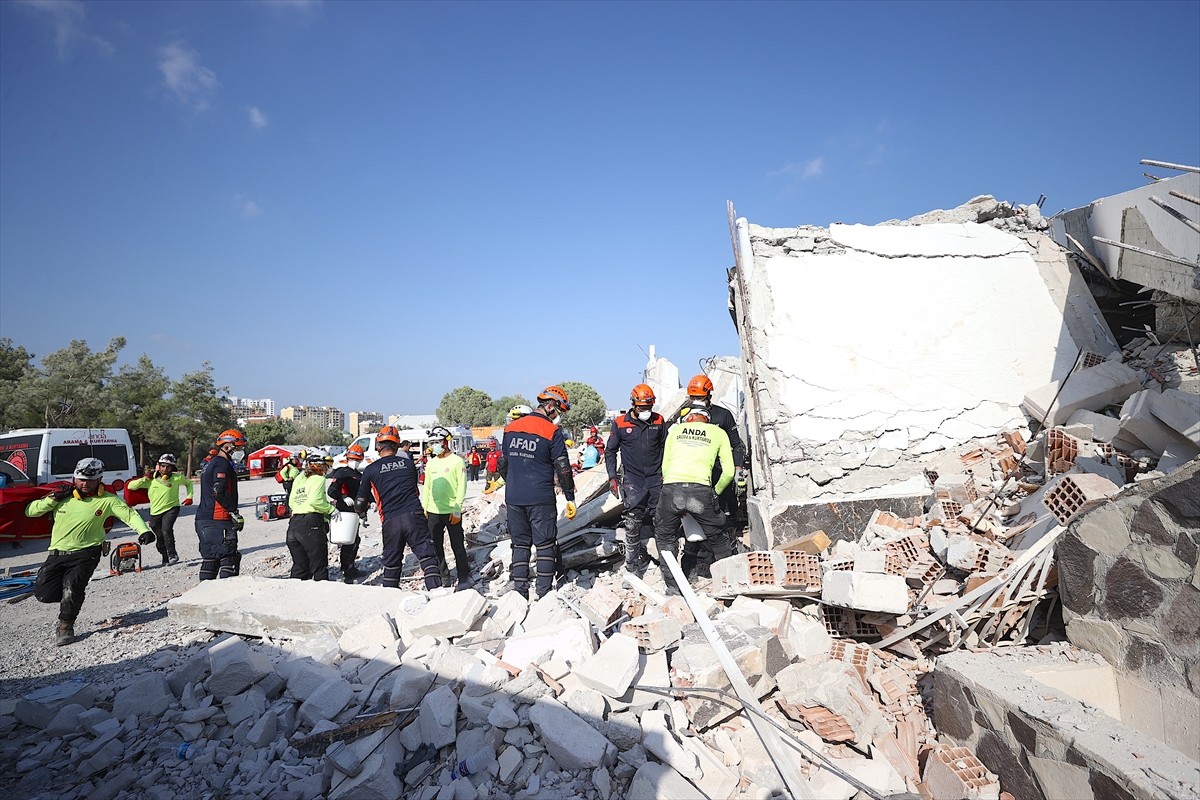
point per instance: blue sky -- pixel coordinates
(368, 204)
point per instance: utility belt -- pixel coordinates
(83, 551)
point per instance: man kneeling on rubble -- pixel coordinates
(692, 448)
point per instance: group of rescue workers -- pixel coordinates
(662, 472)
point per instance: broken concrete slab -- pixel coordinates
(1089, 389)
(1180, 411)
(253, 606)
(572, 743)
(864, 591)
(612, 668)
(233, 666)
(1139, 421)
(653, 779)
(146, 695)
(658, 739)
(450, 615)
(571, 641)
(326, 702)
(39, 707)
(369, 637)
(439, 710)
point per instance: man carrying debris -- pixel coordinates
(442, 497)
(309, 525)
(638, 436)
(391, 481)
(217, 519)
(80, 510)
(534, 452)
(343, 488)
(698, 556)
(693, 448)
(163, 488)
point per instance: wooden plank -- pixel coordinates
(784, 761)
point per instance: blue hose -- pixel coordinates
(12, 587)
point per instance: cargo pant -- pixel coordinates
(163, 526)
(439, 526)
(219, 556)
(641, 503)
(408, 529)
(64, 577)
(306, 541)
(533, 526)
(695, 499)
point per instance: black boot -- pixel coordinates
(64, 633)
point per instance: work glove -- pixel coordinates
(570, 510)
(187, 502)
(614, 486)
(239, 522)
(146, 538)
(455, 519)
(741, 476)
(62, 492)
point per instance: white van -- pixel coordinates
(34, 456)
(418, 437)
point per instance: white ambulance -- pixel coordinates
(34, 456)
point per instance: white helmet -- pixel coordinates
(519, 411)
(89, 469)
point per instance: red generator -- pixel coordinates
(271, 506)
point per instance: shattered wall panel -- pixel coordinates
(869, 351)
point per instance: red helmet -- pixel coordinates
(642, 395)
(232, 436)
(556, 395)
(388, 433)
(700, 386)
(354, 452)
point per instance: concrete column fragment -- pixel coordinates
(1089, 389)
(865, 591)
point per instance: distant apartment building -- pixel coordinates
(252, 408)
(364, 422)
(321, 416)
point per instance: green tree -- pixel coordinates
(17, 377)
(71, 389)
(587, 406)
(270, 431)
(199, 413)
(465, 406)
(500, 408)
(139, 404)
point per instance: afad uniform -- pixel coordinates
(691, 452)
(219, 556)
(534, 452)
(640, 445)
(342, 489)
(391, 483)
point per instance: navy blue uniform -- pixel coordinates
(219, 556)
(391, 482)
(640, 444)
(343, 488)
(534, 453)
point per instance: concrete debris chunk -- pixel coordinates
(866, 592)
(37, 709)
(327, 701)
(658, 780)
(233, 666)
(654, 631)
(439, 710)
(612, 668)
(572, 743)
(369, 637)
(450, 615)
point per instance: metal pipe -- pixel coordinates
(1149, 162)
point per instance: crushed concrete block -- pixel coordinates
(508, 610)
(250, 703)
(865, 592)
(716, 779)
(107, 756)
(658, 780)
(379, 753)
(1139, 421)
(1104, 428)
(327, 701)
(439, 710)
(658, 739)
(805, 638)
(677, 608)
(233, 666)
(66, 721)
(509, 760)
(369, 637)
(601, 605)
(611, 669)
(654, 631)
(381, 664)
(571, 742)
(652, 671)
(1180, 411)
(870, 561)
(146, 695)
(571, 640)
(589, 705)
(304, 676)
(38, 708)
(194, 670)
(1091, 389)
(503, 714)
(262, 733)
(954, 773)
(450, 615)
(92, 719)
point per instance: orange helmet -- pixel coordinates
(388, 433)
(556, 395)
(700, 386)
(642, 395)
(232, 436)
(354, 452)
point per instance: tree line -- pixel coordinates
(472, 407)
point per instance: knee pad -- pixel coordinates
(231, 566)
(209, 568)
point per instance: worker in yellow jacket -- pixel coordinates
(163, 486)
(693, 447)
(442, 497)
(309, 525)
(80, 510)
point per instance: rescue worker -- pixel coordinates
(343, 488)
(217, 519)
(391, 481)
(289, 472)
(80, 510)
(533, 454)
(493, 469)
(692, 449)
(518, 411)
(595, 440)
(638, 437)
(309, 525)
(162, 485)
(474, 462)
(442, 497)
(698, 556)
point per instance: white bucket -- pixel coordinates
(343, 527)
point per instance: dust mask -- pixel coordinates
(644, 415)
(237, 455)
(438, 448)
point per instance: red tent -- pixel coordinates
(267, 460)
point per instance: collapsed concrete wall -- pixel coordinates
(1133, 218)
(1129, 578)
(870, 351)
